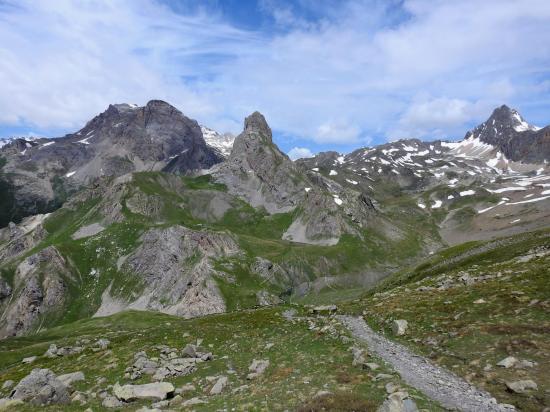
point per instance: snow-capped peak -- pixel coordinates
(520, 125)
(221, 142)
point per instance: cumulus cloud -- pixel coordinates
(419, 68)
(299, 153)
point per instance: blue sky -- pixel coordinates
(328, 75)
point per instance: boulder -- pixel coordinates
(508, 362)
(193, 402)
(7, 384)
(29, 360)
(69, 378)
(7, 404)
(102, 343)
(41, 387)
(111, 402)
(398, 402)
(219, 386)
(358, 356)
(399, 327)
(521, 386)
(155, 391)
(257, 368)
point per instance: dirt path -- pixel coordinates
(439, 384)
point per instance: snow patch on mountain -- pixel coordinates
(221, 142)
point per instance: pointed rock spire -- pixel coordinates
(256, 123)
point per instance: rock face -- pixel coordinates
(40, 283)
(125, 138)
(41, 387)
(259, 172)
(173, 265)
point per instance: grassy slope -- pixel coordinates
(94, 259)
(471, 338)
(302, 361)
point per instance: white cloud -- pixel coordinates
(363, 69)
(299, 153)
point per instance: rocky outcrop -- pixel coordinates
(174, 268)
(16, 239)
(40, 287)
(259, 172)
(40, 388)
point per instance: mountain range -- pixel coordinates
(144, 209)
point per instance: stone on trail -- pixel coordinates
(399, 327)
(41, 387)
(156, 391)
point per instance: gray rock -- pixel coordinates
(7, 404)
(219, 386)
(41, 387)
(257, 368)
(7, 384)
(264, 298)
(399, 327)
(398, 402)
(102, 343)
(524, 364)
(391, 387)
(508, 362)
(29, 360)
(359, 356)
(69, 378)
(522, 386)
(111, 402)
(194, 401)
(158, 391)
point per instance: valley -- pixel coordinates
(145, 249)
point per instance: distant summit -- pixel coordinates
(518, 140)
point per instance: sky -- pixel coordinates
(326, 74)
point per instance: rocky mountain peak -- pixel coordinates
(503, 124)
(505, 116)
(256, 123)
